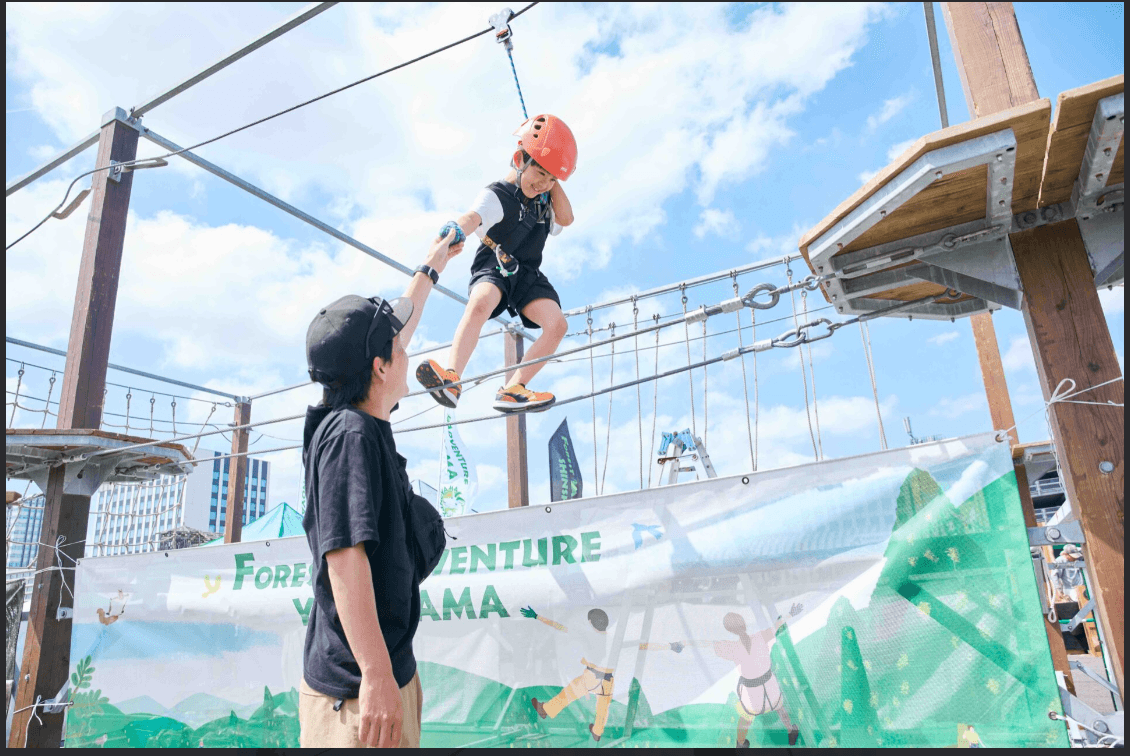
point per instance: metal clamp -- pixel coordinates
(1057, 535)
(501, 23)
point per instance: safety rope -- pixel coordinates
(745, 384)
(592, 384)
(654, 403)
(803, 374)
(521, 99)
(690, 375)
(608, 427)
(865, 335)
(812, 375)
(705, 390)
(639, 400)
(154, 161)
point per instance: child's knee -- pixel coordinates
(556, 327)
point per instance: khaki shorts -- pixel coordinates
(322, 727)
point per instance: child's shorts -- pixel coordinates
(518, 290)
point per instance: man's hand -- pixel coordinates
(382, 714)
(442, 251)
(529, 613)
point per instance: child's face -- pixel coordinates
(536, 180)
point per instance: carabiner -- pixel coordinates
(504, 263)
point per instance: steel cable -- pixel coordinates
(291, 109)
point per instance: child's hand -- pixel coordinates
(442, 250)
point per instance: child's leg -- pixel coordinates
(547, 314)
(484, 298)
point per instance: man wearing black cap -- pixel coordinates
(360, 686)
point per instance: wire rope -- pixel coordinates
(865, 335)
(803, 375)
(812, 375)
(654, 403)
(639, 400)
(129, 163)
(690, 375)
(592, 384)
(608, 425)
(745, 383)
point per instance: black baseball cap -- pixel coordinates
(345, 336)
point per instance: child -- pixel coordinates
(513, 218)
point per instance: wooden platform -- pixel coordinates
(27, 446)
(1048, 159)
(1075, 110)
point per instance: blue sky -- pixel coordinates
(710, 137)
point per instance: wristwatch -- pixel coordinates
(430, 272)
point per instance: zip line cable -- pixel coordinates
(154, 162)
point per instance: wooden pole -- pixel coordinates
(995, 75)
(1065, 322)
(517, 467)
(237, 474)
(47, 648)
(1070, 338)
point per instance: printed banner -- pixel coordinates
(564, 470)
(882, 600)
(458, 481)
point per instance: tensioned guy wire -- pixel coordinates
(150, 162)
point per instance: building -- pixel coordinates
(208, 490)
(130, 518)
(23, 543)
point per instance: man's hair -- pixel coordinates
(599, 619)
(527, 159)
(354, 389)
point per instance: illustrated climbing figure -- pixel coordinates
(758, 690)
(594, 680)
(513, 219)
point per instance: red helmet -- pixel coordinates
(550, 143)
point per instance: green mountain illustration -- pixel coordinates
(141, 705)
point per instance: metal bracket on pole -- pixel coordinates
(1057, 535)
(1099, 207)
(1077, 667)
(1102, 725)
(1080, 616)
(973, 258)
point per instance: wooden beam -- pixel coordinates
(1065, 322)
(237, 474)
(992, 374)
(991, 58)
(1070, 339)
(517, 467)
(47, 649)
(1055, 635)
(996, 76)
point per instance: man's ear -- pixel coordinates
(516, 161)
(380, 369)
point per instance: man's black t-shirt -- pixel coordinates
(356, 492)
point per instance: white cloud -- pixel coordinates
(890, 109)
(1018, 356)
(956, 406)
(392, 159)
(865, 176)
(944, 338)
(898, 148)
(718, 222)
(1113, 300)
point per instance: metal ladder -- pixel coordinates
(682, 452)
